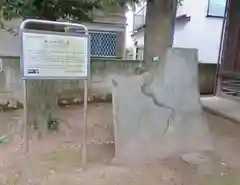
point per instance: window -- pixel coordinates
(103, 44)
(137, 53)
(216, 8)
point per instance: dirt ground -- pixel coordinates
(56, 158)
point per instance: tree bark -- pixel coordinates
(42, 96)
(42, 103)
(159, 29)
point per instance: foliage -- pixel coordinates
(73, 10)
(55, 9)
(53, 124)
(49, 9)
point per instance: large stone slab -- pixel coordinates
(160, 114)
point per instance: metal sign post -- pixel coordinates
(55, 55)
(1, 65)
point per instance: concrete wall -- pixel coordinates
(196, 33)
(102, 72)
(10, 81)
(207, 74)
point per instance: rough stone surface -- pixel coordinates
(160, 114)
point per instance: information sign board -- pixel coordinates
(54, 56)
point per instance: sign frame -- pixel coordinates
(66, 34)
(86, 78)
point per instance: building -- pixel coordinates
(107, 30)
(198, 25)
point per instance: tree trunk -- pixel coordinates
(42, 103)
(42, 97)
(159, 28)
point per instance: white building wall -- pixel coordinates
(200, 32)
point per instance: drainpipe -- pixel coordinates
(221, 47)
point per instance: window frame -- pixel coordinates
(215, 16)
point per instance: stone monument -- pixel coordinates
(159, 114)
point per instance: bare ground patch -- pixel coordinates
(56, 158)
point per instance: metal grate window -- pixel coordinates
(103, 44)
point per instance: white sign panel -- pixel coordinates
(54, 56)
